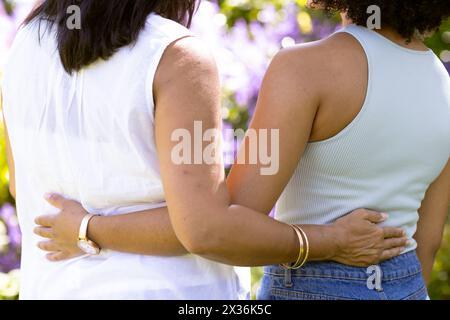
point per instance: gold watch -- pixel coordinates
(87, 246)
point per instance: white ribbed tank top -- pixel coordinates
(90, 137)
(386, 159)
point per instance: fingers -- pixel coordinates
(55, 200)
(395, 243)
(54, 251)
(45, 220)
(55, 256)
(390, 232)
(376, 217)
(391, 253)
(49, 246)
(44, 232)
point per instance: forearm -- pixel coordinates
(430, 231)
(428, 245)
(260, 240)
(429, 237)
(241, 236)
(148, 233)
(426, 258)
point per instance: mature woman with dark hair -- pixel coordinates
(91, 115)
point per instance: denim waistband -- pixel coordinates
(405, 265)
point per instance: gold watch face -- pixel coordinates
(88, 247)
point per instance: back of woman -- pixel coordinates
(395, 147)
(364, 119)
(90, 135)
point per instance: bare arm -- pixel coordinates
(197, 196)
(151, 233)
(433, 215)
(289, 106)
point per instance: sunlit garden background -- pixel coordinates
(244, 35)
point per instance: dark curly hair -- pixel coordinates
(404, 16)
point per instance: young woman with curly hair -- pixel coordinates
(372, 112)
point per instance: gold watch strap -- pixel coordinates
(82, 235)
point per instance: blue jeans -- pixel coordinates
(397, 279)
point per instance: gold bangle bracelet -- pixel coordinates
(305, 259)
(301, 250)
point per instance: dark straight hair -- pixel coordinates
(106, 25)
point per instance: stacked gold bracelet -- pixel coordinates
(303, 253)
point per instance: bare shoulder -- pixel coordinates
(187, 57)
(319, 58)
(294, 72)
(327, 78)
(187, 69)
(187, 79)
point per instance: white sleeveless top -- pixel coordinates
(386, 159)
(90, 137)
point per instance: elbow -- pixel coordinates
(435, 247)
(429, 249)
(201, 241)
(197, 246)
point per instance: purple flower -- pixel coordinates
(10, 255)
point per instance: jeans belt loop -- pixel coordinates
(288, 278)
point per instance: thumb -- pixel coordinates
(55, 200)
(376, 217)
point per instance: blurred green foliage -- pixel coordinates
(9, 285)
(249, 9)
(440, 41)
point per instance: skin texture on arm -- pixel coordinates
(290, 107)
(432, 217)
(152, 233)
